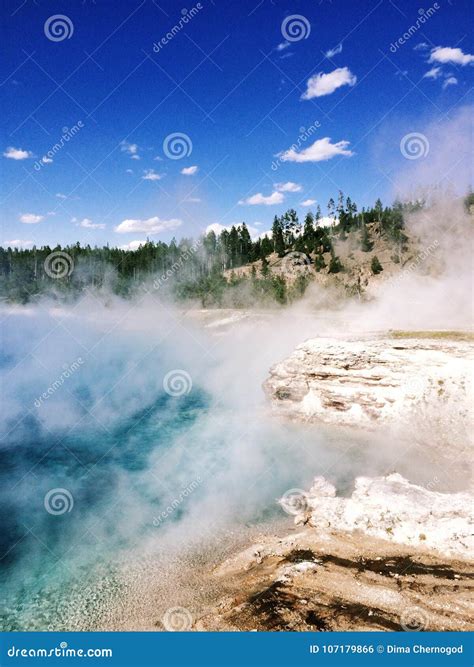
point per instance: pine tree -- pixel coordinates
(277, 237)
(375, 265)
(365, 242)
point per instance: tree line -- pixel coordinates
(207, 272)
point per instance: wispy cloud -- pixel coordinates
(320, 151)
(422, 46)
(151, 175)
(289, 186)
(325, 84)
(18, 243)
(433, 73)
(189, 171)
(450, 81)
(334, 52)
(447, 54)
(17, 153)
(282, 46)
(30, 218)
(308, 202)
(130, 149)
(259, 199)
(153, 225)
(88, 224)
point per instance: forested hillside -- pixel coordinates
(230, 269)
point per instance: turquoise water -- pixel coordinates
(133, 464)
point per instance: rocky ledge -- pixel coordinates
(338, 574)
(374, 381)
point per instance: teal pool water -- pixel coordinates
(104, 461)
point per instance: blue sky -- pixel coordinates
(241, 82)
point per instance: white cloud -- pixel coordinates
(60, 195)
(46, 160)
(321, 150)
(193, 200)
(283, 45)
(422, 46)
(447, 54)
(326, 221)
(17, 243)
(133, 245)
(450, 81)
(217, 228)
(31, 218)
(151, 175)
(129, 171)
(270, 200)
(308, 202)
(325, 84)
(189, 171)
(334, 52)
(149, 226)
(88, 224)
(433, 73)
(288, 187)
(17, 153)
(130, 149)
